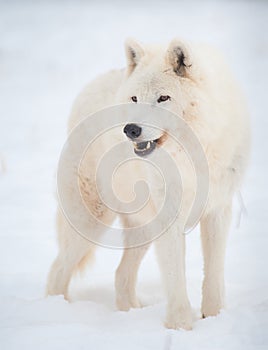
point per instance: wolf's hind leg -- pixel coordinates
(74, 252)
(214, 230)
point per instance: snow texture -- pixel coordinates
(48, 51)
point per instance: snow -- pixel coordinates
(48, 51)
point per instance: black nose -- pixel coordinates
(132, 131)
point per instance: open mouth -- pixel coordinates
(144, 148)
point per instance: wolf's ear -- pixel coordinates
(178, 56)
(134, 52)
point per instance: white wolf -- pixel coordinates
(193, 82)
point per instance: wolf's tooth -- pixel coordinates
(148, 145)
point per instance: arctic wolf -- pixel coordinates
(194, 83)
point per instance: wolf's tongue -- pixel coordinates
(144, 148)
(141, 145)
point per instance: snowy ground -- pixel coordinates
(48, 51)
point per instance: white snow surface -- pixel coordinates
(48, 51)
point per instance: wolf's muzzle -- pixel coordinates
(132, 131)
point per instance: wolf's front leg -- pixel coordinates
(170, 249)
(126, 278)
(214, 230)
(127, 271)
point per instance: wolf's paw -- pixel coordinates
(210, 310)
(211, 307)
(124, 304)
(181, 319)
(213, 297)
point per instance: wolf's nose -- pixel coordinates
(132, 131)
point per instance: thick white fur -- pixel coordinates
(204, 93)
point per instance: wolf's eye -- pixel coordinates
(134, 99)
(163, 98)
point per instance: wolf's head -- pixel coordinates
(158, 77)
